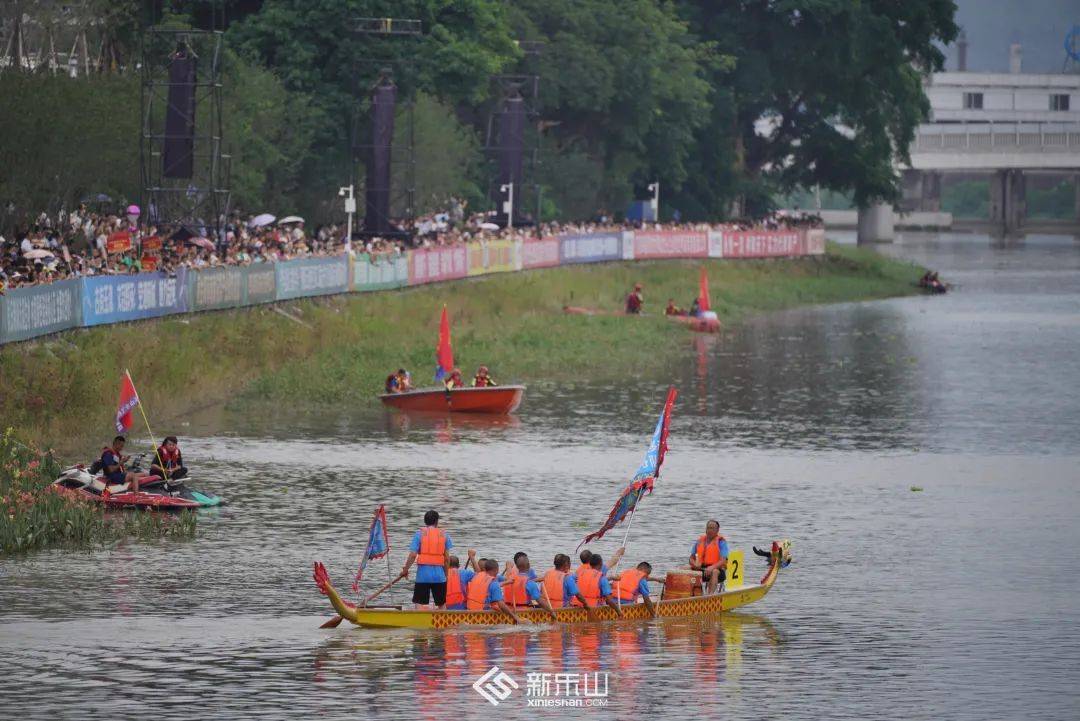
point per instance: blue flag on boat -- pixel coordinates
(378, 544)
(646, 475)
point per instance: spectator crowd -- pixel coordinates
(85, 243)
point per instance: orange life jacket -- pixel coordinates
(170, 460)
(589, 585)
(455, 594)
(577, 573)
(553, 587)
(115, 455)
(710, 553)
(432, 547)
(514, 589)
(477, 591)
(628, 584)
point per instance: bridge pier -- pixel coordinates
(1076, 203)
(1008, 199)
(920, 191)
(877, 224)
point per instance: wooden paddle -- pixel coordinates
(336, 620)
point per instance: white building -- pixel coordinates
(1003, 98)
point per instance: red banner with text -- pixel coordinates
(435, 264)
(540, 253)
(763, 243)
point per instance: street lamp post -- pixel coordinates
(350, 209)
(654, 188)
(508, 206)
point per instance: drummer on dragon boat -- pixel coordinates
(709, 555)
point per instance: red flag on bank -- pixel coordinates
(444, 354)
(129, 398)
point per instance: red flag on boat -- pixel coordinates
(128, 400)
(378, 544)
(703, 291)
(444, 354)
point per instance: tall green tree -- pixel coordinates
(622, 86)
(823, 92)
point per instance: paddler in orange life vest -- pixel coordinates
(560, 587)
(430, 548)
(709, 555)
(587, 554)
(482, 379)
(633, 584)
(521, 588)
(595, 586)
(485, 592)
(457, 580)
(168, 453)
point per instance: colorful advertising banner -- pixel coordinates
(312, 276)
(119, 298)
(435, 264)
(501, 256)
(590, 247)
(815, 241)
(260, 283)
(670, 244)
(762, 243)
(716, 244)
(540, 253)
(376, 272)
(477, 254)
(38, 310)
(214, 288)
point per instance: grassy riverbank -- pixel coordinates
(33, 516)
(62, 391)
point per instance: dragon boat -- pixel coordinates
(689, 607)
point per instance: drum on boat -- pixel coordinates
(681, 584)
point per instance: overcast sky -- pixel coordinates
(991, 25)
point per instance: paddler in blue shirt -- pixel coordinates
(521, 588)
(457, 580)
(559, 586)
(430, 549)
(634, 584)
(484, 592)
(587, 554)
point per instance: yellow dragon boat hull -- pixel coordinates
(696, 606)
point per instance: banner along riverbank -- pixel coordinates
(61, 392)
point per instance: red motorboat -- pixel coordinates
(701, 318)
(498, 400)
(76, 482)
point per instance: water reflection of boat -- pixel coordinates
(444, 425)
(493, 399)
(692, 607)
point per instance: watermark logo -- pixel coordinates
(495, 685)
(575, 690)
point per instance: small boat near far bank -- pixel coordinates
(498, 400)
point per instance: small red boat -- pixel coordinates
(698, 324)
(77, 483)
(498, 400)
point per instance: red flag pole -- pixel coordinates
(153, 442)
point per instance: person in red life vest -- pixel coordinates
(392, 385)
(673, 309)
(430, 549)
(112, 465)
(482, 379)
(595, 587)
(404, 380)
(521, 588)
(587, 554)
(484, 591)
(560, 587)
(454, 379)
(633, 584)
(171, 459)
(635, 301)
(457, 580)
(709, 555)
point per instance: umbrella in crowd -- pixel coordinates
(260, 220)
(202, 242)
(488, 226)
(290, 219)
(37, 254)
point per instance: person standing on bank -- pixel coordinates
(430, 549)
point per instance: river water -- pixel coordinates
(956, 601)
